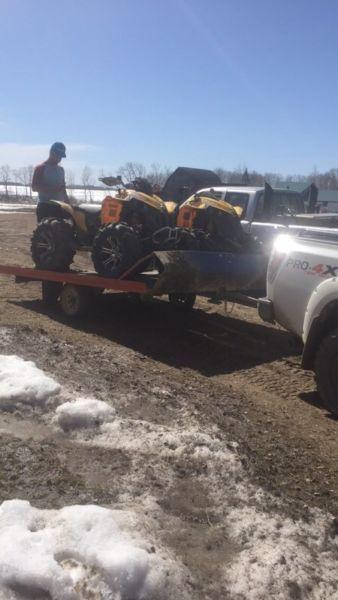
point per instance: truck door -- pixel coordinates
(260, 226)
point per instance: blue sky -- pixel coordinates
(201, 83)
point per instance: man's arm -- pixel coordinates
(37, 181)
(66, 199)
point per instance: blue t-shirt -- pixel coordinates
(49, 175)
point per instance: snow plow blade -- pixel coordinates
(200, 272)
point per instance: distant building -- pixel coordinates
(329, 196)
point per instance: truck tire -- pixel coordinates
(53, 245)
(115, 249)
(326, 371)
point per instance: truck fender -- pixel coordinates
(320, 316)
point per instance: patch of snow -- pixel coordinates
(281, 558)
(6, 335)
(277, 557)
(143, 438)
(21, 382)
(15, 207)
(162, 392)
(78, 552)
(83, 412)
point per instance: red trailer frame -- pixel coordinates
(76, 288)
(81, 278)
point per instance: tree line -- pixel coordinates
(157, 174)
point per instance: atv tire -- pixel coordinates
(53, 245)
(115, 249)
(326, 371)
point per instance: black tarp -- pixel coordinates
(185, 181)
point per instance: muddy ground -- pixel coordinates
(225, 369)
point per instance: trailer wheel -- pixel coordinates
(74, 300)
(182, 301)
(326, 371)
(51, 292)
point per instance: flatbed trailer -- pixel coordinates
(74, 288)
(179, 274)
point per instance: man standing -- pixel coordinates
(49, 177)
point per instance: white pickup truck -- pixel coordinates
(266, 212)
(302, 296)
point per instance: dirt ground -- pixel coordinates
(226, 369)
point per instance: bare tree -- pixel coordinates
(87, 180)
(16, 181)
(131, 170)
(70, 179)
(5, 173)
(223, 174)
(158, 175)
(25, 176)
(30, 171)
(70, 185)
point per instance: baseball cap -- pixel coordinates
(58, 148)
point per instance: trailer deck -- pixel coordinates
(179, 274)
(81, 278)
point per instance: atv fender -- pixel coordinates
(58, 210)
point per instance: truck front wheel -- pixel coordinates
(326, 370)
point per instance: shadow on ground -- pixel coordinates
(314, 399)
(211, 344)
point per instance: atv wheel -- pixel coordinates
(115, 249)
(326, 370)
(53, 245)
(182, 301)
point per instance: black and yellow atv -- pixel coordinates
(62, 229)
(215, 224)
(135, 222)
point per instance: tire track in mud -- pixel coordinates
(275, 370)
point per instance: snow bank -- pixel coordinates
(76, 552)
(83, 412)
(22, 382)
(84, 552)
(277, 557)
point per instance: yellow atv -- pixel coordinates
(215, 224)
(135, 222)
(62, 229)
